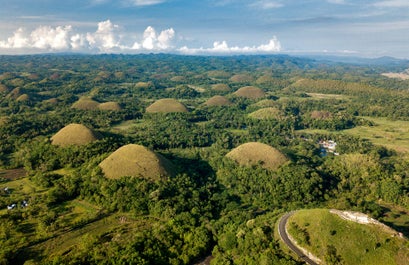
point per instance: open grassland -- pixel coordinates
(118, 226)
(21, 186)
(388, 133)
(319, 96)
(392, 134)
(328, 236)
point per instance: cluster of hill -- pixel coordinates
(165, 159)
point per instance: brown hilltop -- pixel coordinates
(23, 98)
(166, 105)
(254, 153)
(250, 92)
(74, 134)
(114, 106)
(85, 104)
(3, 88)
(221, 87)
(218, 101)
(137, 161)
(241, 78)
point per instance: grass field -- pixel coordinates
(391, 134)
(121, 226)
(76, 222)
(327, 96)
(354, 243)
(388, 133)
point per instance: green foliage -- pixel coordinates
(77, 216)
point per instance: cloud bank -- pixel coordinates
(223, 48)
(110, 38)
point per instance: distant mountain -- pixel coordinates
(385, 60)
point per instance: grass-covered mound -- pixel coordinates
(241, 78)
(221, 87)
(138, 161)
(218, 101)
(254, 153)
(265, 103)
(3, 88)
(23, 98)
(109, 106)
(15, 93)
(178, 78)
(250, 92)
(219, 74)
(266, 113)
(166, 105)
(85, 104)
(74, 134)
(338, 241)
(144, 85)
(264, 79)
(51, 101)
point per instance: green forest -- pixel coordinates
(168, 159)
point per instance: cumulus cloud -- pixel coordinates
(152, 41)
(111, 38)
(18, 40)
(392, 3)
(107, 38)
(49, 38)
(222, 47)
(267, 4)
(337, 2)
(146, 2)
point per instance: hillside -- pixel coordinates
(253, 154)
(335, 240)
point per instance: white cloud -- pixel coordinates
(48, 38)
(222, 47)
(105, 38)
(146, 2)
(165, 38)
(152, 41)
(392, 3)
(18, 40)
(110, 38)
(337, 2)
(266, 4)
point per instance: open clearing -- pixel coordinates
(327, 96)
(392, 134)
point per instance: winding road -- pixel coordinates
(284, 236)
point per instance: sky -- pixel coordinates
(364, 28)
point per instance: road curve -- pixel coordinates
(284, 236)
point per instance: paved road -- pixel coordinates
(287, 241)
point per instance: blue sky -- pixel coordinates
(343, 27)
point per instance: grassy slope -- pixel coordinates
(355, 243)
(76, 220)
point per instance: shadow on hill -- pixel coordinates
(199, 170)
(398, 220)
